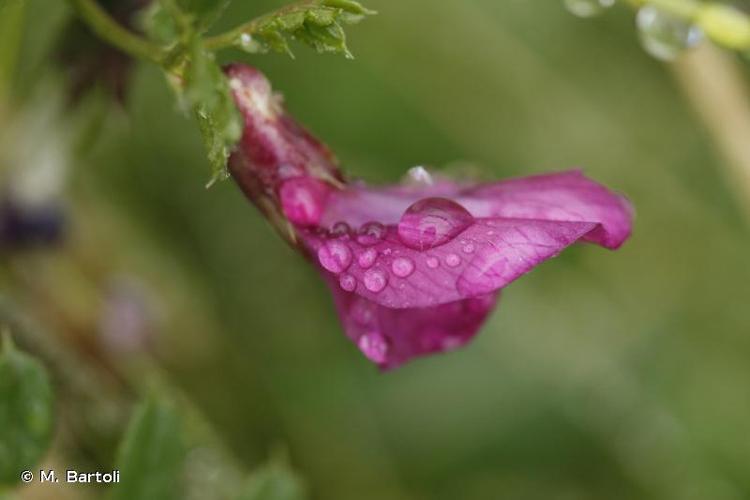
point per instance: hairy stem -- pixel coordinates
(714, 85)
(110, 30)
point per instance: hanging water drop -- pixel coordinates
(402, 267)
(664, 35)
(431, 222)
(250, 44)
(371, 233)
(367, 258)
(452, 260)
(335, 256)
(374, 346)
(341, 228)
(375, 280)
(348, 282)
(587, 8)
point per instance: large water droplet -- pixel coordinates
(431, 222)
(374, 346)
(367, 258)
(375, 280)
(335, 256)
(587, 8)
(371, 233)
(664, 35)
(348, 282)
(402, 266)
(418, 176)
(432, 262)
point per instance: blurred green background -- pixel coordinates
(600, 375)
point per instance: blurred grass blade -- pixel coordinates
(11, 26)
(274, 481)
(26, 418)
(151, 455)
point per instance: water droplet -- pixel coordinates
(431, 222)
(468, 248)
(375, 280)
(587, 8)
(341, 228)
(249, 44)
(432, 262)
(371, 233)
(418, 176)
(664, 35)
(348, 282)
(452, 260)
(335, 256)
(402, 267)
(367, 258)
(374, 346)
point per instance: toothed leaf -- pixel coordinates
(318, 24)
(26, 418)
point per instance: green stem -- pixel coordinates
(110, 30)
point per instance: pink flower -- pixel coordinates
(414, 268)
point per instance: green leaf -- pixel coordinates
(26, 417)
(275, 481)
(317, 23)
(151, 454)
(207, 91)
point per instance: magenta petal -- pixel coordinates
(391, 337)
(415, 268)
(486, 256)
(564, 196)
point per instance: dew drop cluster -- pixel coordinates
(425, 225)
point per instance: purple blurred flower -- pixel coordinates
(414, 268)
(24, 227)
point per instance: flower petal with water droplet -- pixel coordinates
(430, 256)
